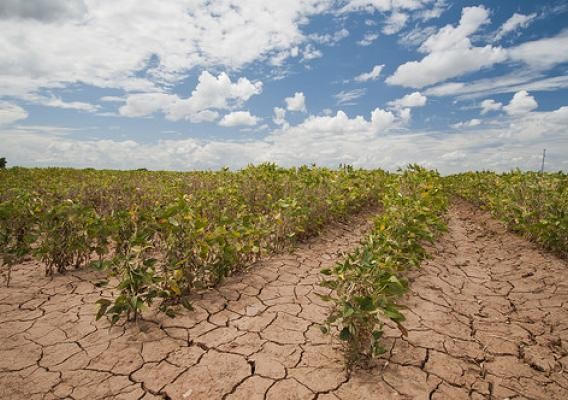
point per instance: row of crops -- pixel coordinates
(159, 235)
(368, 283)
(532, 204)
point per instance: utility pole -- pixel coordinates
(543, 157)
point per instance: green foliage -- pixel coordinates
(139, 284)
(366, 285)
(202, 226)
(532, 204)
(3, 162)
(65, 239)
(17, 233)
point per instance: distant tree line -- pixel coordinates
(2, 162)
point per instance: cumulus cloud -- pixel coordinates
(371, 75)
(296, 102)
(326, 141)
(451, 37)
(395, 22)
(368, 39)
(279, 116)
(311, 53)
(521, 103)
(140, 46)
(211, 92)
(341, 125)
(238, 118)
(516, 21)
(490, 105)
(450, 53)
(10, 113)
(415, 99)
(329, 38)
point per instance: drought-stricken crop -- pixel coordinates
(367, 284)
(532, 204)
(161, 234)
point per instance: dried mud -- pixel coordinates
(487, 319)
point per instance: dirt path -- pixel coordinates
(486, 320)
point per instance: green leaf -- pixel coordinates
(345, 335)
(103, 306)
(186, 304)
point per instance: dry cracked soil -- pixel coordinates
(487, 318)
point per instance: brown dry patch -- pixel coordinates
(487, 320)
(254, 337)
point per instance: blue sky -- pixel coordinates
(190, 84)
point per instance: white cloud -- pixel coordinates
(368, 39)
(490, 105)
(395, 22)
(42, 10)
(416, 36)
(521, 103)
(509, 83)
(450, 53)
(71, 105)
(10, 113)
(311, 53)
(542, 53)
(514, 141)
(451, 37)
(434, 12)
(339, 126)
(330, 39)
(405, 114)
(210, 93)
(347, 97)
(387, 5)
(141, 45)
(415, 99)
(441, 66)
(202, 116)
(296, 102)
(515, 22)
(142, 104)
(467, 124)
(112, 99)
(217, 92)
(279, 116)
(370, 76)
(239, 118)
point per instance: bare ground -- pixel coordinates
(487, 319)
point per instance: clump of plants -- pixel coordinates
(198, 227)
(532, 204)
(367, 285)
(17, 230)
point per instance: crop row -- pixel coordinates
(368, 283)
(161, 234)
(534, 205)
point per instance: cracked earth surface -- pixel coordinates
(487, 319)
